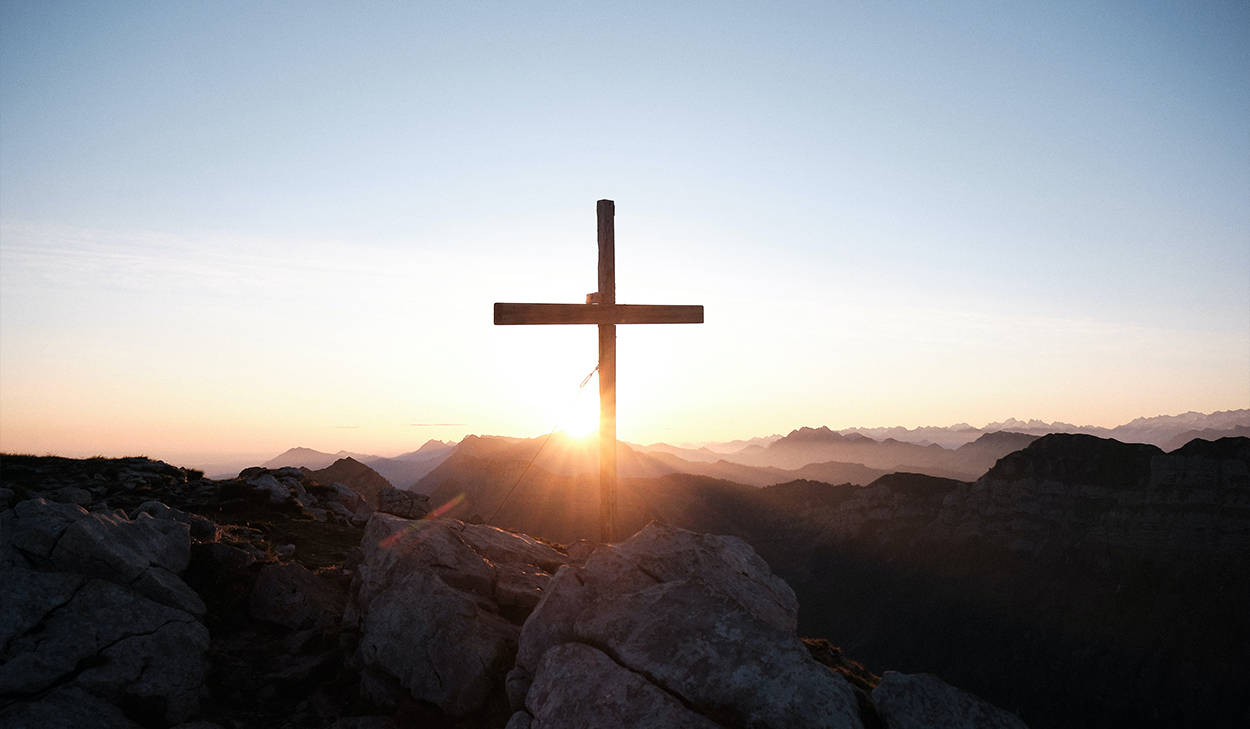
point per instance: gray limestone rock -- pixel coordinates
(516, 686)
(32, 529)
(579, 686)
(132, 645)
(145, 554)
(519, 586)
(291, 472)
(394, 547)
(439, 641)
(71, 495)
(439, 604)
(100, 545)
(231, 557)
(658, 553)
(344, 495)
(406, 504)
(292, 596)
(923, 701)
(365, 722)
(163, 586)
(698, 643)
(167, 668)
(702, 618)
(203, 529)
(278, 492)
(27, 596)
(581, 550)
(339, 509)
(363, 513)
(65, 708)
(501, 546)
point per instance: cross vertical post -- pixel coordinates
(601, 309)
(605, 211)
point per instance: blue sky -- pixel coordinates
(247, 226)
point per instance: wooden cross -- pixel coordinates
(601, 308)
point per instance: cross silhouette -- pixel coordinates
(601, 308)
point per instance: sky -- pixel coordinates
(240, 227)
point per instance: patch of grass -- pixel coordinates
(830, 655)
(318, 489)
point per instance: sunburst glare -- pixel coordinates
(583, 415)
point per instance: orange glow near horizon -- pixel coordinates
(582, 418)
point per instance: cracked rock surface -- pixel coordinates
(700, 618)
(439, 605)
(92, 601)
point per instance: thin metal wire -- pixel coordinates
(563, 415)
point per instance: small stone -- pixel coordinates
(71, 495)
(404, 504)
(291, 595)
(581, 550)
(232, 557)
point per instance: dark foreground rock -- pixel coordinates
(236, 604)
(697, 617)
(406, 504)
(923, 701)
(439, 604)
(93, 602)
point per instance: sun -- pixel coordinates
(583, 417)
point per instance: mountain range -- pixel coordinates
(1160, 430)
(401, 471)
(1074, 579)
(1078, 581)
(857, 455)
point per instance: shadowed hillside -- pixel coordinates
(138, 595)
(1080, 580)
(820, 445)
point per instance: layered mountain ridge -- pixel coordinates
(1080, 580)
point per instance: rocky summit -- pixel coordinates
(137, 594)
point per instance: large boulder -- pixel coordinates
(203, 529)
(438, 605)
(146, 554)
(337, 493)
(293, 596)
(580, 686)
(92, 602)
(279, 491)
(66, 708)
(698, 617)
(103, 638)
(443, 644)
(406, 504)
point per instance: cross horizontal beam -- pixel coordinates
(597, 314)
